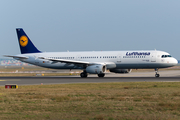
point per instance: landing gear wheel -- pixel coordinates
(83, 75)
(101, 75)
(157, 75)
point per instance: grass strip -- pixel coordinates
(92, 101)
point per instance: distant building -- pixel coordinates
(12, 62)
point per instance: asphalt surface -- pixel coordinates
(74, 79)
(165, 76)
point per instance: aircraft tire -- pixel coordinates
(83, 75)
(101, 75)
(157, 75)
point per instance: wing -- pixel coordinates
(66, 61)
(109, 65)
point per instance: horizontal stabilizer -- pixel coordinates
(20, 57)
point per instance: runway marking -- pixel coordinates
(10, 80)
(3, 80)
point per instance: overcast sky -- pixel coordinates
(91, 25)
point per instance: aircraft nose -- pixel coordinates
(174, 61)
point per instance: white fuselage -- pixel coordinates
(112, 59)
(92, 62)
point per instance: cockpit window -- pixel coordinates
(165, 56)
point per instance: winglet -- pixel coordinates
(26, 46)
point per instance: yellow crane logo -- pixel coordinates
(23, 41)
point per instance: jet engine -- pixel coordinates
(120, 70)
(96, 69)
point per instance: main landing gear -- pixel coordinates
(156, 70)
(101, 75)
(84, 74)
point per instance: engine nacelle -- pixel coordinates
(120, 70)
(96, 69)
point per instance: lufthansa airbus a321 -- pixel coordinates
(93, 62)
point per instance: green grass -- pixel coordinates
(92, 101)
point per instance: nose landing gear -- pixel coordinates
(156, 71)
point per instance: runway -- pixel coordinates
(65, 80)
(165, 76)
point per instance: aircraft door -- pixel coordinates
(153, 57)
(36, 61)
(78, 57)
(118, 58)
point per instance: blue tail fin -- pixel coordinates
(25, 43)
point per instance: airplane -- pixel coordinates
(95, 62)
